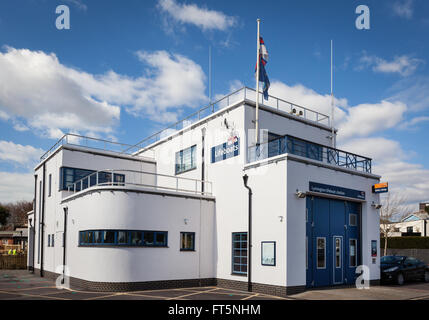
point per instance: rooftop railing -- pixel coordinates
(94, 143)
(243, 94)
(133, 178)
(311, 150)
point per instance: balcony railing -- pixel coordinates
(88, 142)
(243, 94)
(311, 150)
(133, 178)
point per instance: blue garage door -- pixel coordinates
(332, 241)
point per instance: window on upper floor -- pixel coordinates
(50, 185)
(68, 176)
(186, 159)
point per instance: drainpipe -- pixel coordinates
(203, 164)
(33, 239)
(66, 211)
(249, 237)
(42, 222)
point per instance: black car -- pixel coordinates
(399, 269)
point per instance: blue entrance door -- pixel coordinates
(332, 241)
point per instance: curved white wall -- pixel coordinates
(105, 209)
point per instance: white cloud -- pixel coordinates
(393, 164)
(79, 4)
(412, 91)
(352, 121)
(53, 98)
(378, 148)
(403, 9)
(16, 186)
(412, 123)
(308, 98)
(201, 17)
(366, 119)
(20, 154)
(404, 65)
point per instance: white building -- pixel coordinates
(414, 224)
(173, 210)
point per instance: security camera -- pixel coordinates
(300, 194)
(376, 205)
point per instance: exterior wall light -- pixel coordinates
(185, 220)
(281, 218)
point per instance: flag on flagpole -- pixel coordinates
(263, 60)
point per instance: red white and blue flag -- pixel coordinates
(263, 60)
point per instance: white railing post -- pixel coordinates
(112, 176)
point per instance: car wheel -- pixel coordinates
(400, 279)
(426, 276)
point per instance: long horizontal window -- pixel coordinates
(68, 176)
(186, 159)
(133, 238)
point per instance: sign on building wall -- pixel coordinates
(268, 253)
(336, 191)
(380, 187)
(226, 150)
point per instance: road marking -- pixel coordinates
(192, 294)
(105, 296)
(33, 295)
(252, 296)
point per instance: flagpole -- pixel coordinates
(210, 74)
(257, 87)
(332, 98)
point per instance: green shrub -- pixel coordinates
(406, 243)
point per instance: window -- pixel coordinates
(98, 236)
(337, 253)
(68, 176)
(274, 144)
(353, 219)
(186, 159)
(321, 253)
(136, 238)
(49, 240)
(239, 253)
(50, 185)
(123, 238)
(187, 241)
(409, 229)
(109, 237)
(352, 253)
(52, 240)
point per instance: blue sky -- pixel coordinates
(104, 76)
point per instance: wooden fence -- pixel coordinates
(18, 261)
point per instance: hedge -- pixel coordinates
(406, 243)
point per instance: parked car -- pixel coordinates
(398, 269)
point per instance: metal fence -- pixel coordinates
(311, 150)
(243, 94)
(88, 142)
(133, 178)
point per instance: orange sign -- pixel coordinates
(380, 187)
